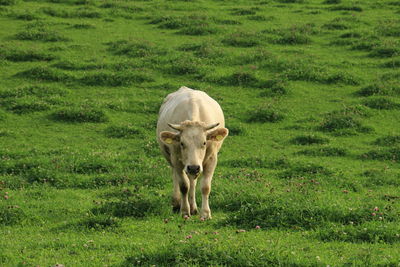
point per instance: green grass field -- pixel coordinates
(309, 175)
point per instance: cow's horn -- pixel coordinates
(209, 127)
(175, 126)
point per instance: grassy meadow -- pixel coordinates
(309, 175)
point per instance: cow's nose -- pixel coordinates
(193, 169)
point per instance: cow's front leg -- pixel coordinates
(192, 196)
(184, 186)
(208, 172)
(176, 196)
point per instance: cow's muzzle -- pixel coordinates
(193, 169)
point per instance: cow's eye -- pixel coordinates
(204, 143)
(182, 144)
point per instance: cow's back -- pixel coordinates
(188, 104)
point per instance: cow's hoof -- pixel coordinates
(176, 209)
(185, 215)
(205, 215)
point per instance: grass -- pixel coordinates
(26, 105)
(11, 215)
(195, 24)
(114, 78)
(292, 38)
(389, 140)
(325, 151)
(44, 74)
(135, 48)
(242, 39)
(309, 140)
(295, 214)
(77, 13)
(122, 131)
(367, 233)
(389, 28)
(8, 2)
(347, 8)
(309, 173)
(25, 55)
(385, 88)
(275, 87)
(40, 32)
(381, 103)
(385, 50)
(346, 121)
(265, 114)
(391, 154)
(80, 114)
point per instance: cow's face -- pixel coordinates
(191, 142)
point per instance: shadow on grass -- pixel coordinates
(80, 114)
(40, 31)
(25, 105)
(264, 114)
(194, 24)
(8, 2)
(381, 103)
(186, 65)
(347, 8)
(300, 169)
(346, 121)
(324, 151)
(203, 50)
(122, 78)
(307, 70)
(25, 55)
(136, 205)
(377, 177)
(309, 140)
(11, 214)
(135, 48)
(208, 253)
(304, 211)
(45, 74)
(243, 39)
(31, 98)
(389, 140)
(386, 88)
(95, 223)
(389, 154)
(82, 12)
(385, 49)
(236, 129)
(76, 65)
(33, 90)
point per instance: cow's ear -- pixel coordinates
(218, 134)
(169, 138)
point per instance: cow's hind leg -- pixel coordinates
(208, 173)
(176, 196)
(192, 196)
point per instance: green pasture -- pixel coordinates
(309, 175)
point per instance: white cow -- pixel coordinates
(197, 123)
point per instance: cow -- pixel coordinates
(190, 132)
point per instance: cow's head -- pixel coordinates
(192, 140)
